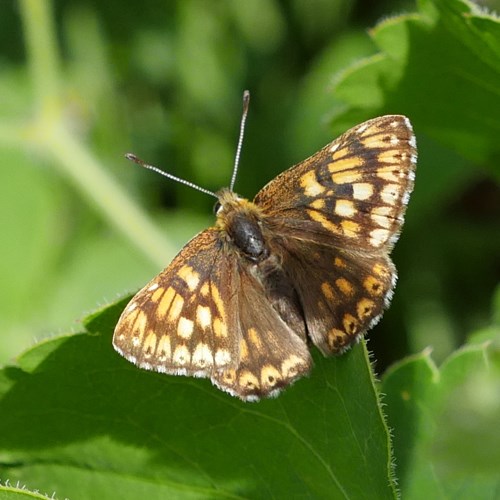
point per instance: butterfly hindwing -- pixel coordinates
(272, 355)
(342, 294)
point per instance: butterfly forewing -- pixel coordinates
(206, 316)
(352, 193)
(185, 320)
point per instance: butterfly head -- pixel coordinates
(228, 201)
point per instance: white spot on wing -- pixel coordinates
(185, 328)
(202, 356)
(334, 147)
(203, 316)
(222, 357)
(378, 237)
(390, 193)
(344, 208)
(362, 190)
(181, 355)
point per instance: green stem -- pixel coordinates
(42, 54)
(84, 170)
(50, 132)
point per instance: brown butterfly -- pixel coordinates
(306, 261)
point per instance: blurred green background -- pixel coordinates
(83, 82)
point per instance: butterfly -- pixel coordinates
(307, 261)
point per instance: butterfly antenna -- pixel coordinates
(142, 163)
(246, 100)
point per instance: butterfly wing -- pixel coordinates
(206, 315)
(343, 294)
(352, 193)
(183, 321)
(334, 218)
(330, 223)
(272, 353)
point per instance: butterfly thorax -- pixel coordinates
(240, 223)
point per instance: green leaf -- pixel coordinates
(441, 67)
(77, 419)
(9, 492)
(444, 421)
(29, 229)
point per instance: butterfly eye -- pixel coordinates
(217, 207)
